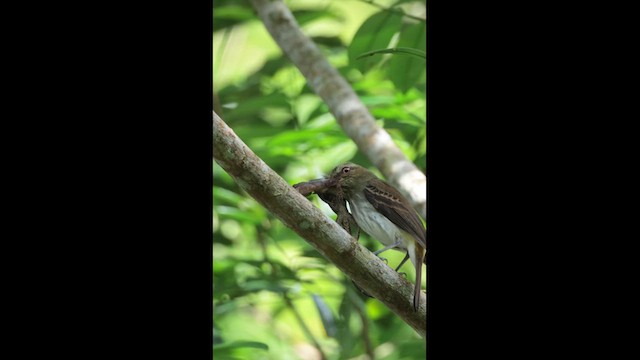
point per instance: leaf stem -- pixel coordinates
(397, 50)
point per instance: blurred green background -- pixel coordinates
(275, 297)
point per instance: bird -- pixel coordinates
(385, 214)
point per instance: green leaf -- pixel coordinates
(306, 16)
(236, 349)
(293, 137)
(304, 106)
(372, 100)
(337, 154)
(240, 344)
(220, 177)
(406, 71)
(252, 108)
(256, 131)
(345, 336)
(233, 13)
(398, 2)
(375, 33)
(228, 212)
(280, 271)
(227, 196)
(266, 285)
(328, 320)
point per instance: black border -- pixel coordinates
(119, 222)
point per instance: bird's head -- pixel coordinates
(351, 177)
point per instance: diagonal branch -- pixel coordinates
(324, 234)
(343, 102)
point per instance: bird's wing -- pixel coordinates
(389, 203)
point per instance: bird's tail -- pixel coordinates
(420, 254)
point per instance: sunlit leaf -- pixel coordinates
(276, 116)
(338, 154)
(288, 81)
(304, 106)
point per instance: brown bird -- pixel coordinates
(385, 214)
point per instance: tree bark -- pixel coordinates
(343, 102)
(325, 235)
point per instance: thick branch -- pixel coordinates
(324, 234)
(343, 102)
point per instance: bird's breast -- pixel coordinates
(372, 222)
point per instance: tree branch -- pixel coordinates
(324, 234)
(343, 102)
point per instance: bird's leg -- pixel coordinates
(394, 245)
(406, 257)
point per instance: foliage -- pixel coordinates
(275, 297)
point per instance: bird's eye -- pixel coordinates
(346, 170)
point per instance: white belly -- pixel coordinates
(376, 224)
